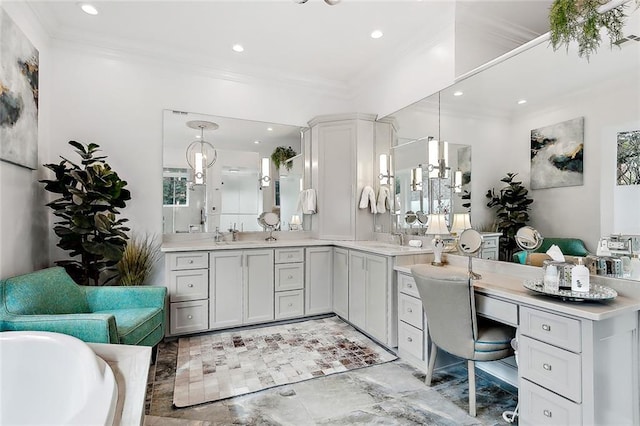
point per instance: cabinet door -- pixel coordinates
(318, 286)
(357, 293)
(376, 297)
(341, 282)
(225, 289)
(258, 286)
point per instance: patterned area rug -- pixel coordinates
(222, 365)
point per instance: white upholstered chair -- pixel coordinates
(449, 305)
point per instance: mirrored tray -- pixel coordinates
(597, 293)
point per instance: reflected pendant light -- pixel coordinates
(201, 154)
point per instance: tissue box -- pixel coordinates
(415, 243)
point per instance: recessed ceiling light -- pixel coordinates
(88, 9)
(238, 48)
(522, 101)
(376, 34)
(458, 93)
(256, 142)
(269, 129)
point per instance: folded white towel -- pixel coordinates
(368, 198)
(384, 199)
(307, 201)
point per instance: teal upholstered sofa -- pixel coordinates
(49, 300)
(568, 246)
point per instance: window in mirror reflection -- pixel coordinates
(174, 187)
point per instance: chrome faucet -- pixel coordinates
(400, 236)
(217, 235)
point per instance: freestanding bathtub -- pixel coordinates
(53, 379)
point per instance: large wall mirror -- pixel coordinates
(239, 186)
(432, 174)
(496, 110)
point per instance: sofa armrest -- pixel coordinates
(123, 297)
(94, 328)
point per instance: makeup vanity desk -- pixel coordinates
(577, 362)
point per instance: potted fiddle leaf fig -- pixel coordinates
(280, 156)
(580, 21)
(90, 196)
(513, 205)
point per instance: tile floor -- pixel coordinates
(387, 394)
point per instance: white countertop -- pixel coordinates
(378, 247)
(509, 287)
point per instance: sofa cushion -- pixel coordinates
(46, 292)
(135, 324)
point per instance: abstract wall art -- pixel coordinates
(557, 155)
(19, 63)
(628, 155)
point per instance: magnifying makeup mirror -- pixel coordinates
(470, 243)
(528, 239)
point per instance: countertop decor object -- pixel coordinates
(596, 293)
(438, 228)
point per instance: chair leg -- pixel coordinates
(432, 364)
(471, 366)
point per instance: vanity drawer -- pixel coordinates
(490, 243)
(490, 254)
(558, 370)
(410, 340)
(289, 276)
(187, 260)
(499, 310)
(187, 317)
(541, 407)
(551, 328)
(410, 310)
(289, 255)
(289, 304)
(189, 285)
(407, 285)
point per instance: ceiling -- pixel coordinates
(283, 40)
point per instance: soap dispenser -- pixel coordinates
(550, 280)
(580, 278)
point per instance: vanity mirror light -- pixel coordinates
(242, 182)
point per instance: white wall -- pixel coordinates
(23, 214)
(117, 101)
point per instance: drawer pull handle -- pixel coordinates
(290, 305)
(190, 316)
(289, 256)
(190, 261)
(409, 310)
(547, 413)
(409, 285)
(546, 327)
(409, 339)
(290, 277)
(546, 366)
(189, 285)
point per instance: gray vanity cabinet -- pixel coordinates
(341, 282)
(369, 293)
(318, 288)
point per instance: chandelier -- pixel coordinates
(201, 154)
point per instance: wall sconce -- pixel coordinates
(438, 155)
(201, 154)
(437, 227)
(461, 221)
(385, 169)
(265, 178)
(416, 179)
(457, 181)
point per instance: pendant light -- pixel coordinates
(201, 154)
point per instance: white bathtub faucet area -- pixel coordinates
(53, 379)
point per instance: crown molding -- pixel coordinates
(341, 117)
